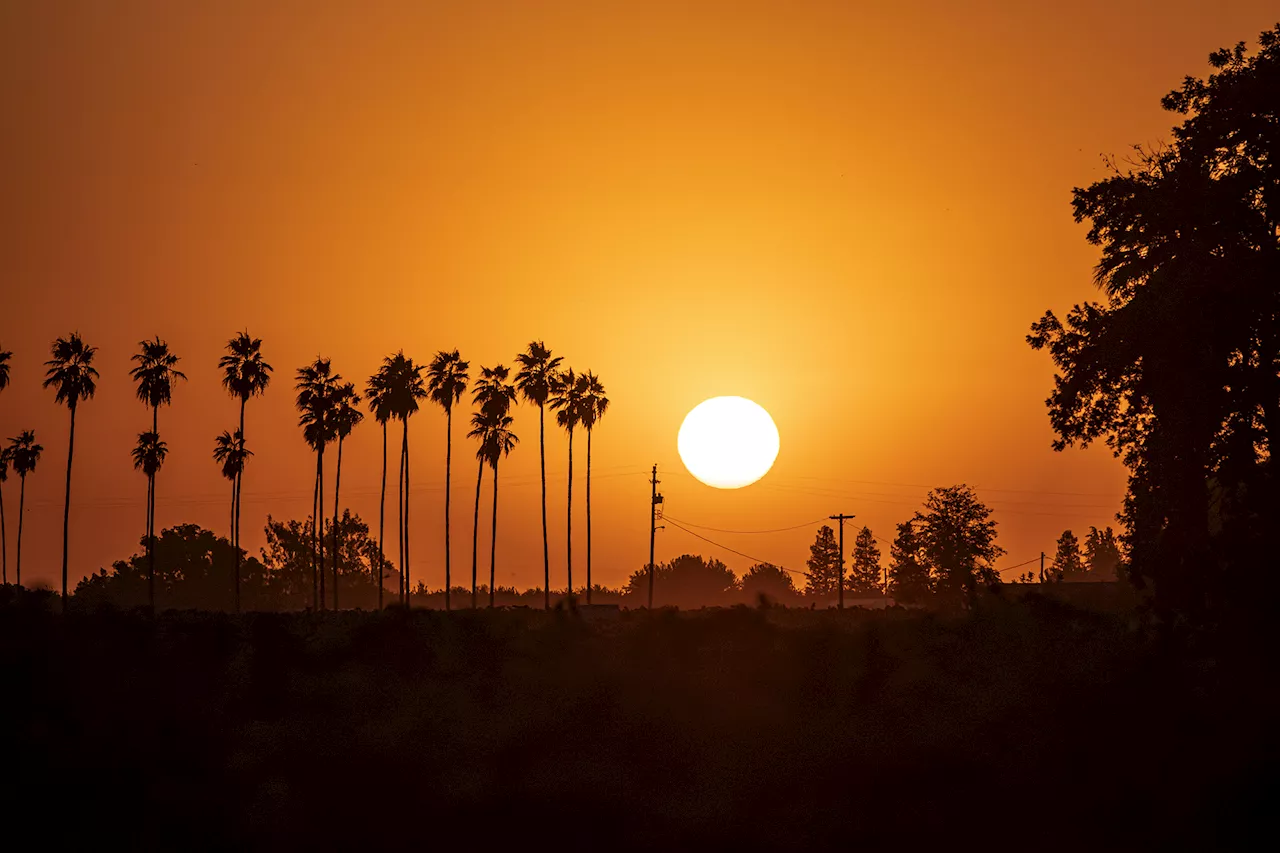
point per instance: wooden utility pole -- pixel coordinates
(1042, 567)
(840, 584)
(654, 500)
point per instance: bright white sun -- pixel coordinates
(728, 442)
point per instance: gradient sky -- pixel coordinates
(847, 212)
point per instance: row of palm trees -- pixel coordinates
(22, 454)
(328, 412)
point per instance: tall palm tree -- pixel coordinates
(245, 374)
(493, 428)
(71, 373)
(5, 355)
(446, 382)
(493, 396)
(230, 452)
(24, 453)
(593, 406)
(534, 381)
(406, 387)
(148, 455)
(155, 374)
(566, 400)
(317, 385)
(346, 417)
(4, 543)
(378, 395)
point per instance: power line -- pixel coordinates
(727, 548)
(722, 530)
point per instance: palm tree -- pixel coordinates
(494, 396)
(406, 387)
(346, 417)
(148, 456)
(71, 373)
(24, 453)
(446, 383)
(244, 374)
(5, 355)
(317, 384)
(155, 375)
(378, 395)
(593, 405)
(493, 428)
(230, 452)
(566, 400)
(534, 381)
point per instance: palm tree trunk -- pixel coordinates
(569, 519)
(236, 486)
(22, 500)
(151, 519)
(493, 540)
(475, 530)
(448, 469)
(400, 523)
(4, 543)
(382, 518)
(66, 504)
(588, 515)
(315, 503)
(337, 484)
(408, 590)
(546, 555)
(320, 520)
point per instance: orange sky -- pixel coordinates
(849, 213)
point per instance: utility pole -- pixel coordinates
(654, 501)
(840, 584)
(1042, 567)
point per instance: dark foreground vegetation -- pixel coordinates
(1018, 725)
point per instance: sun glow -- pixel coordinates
(728, 442)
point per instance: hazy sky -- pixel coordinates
(847, 212)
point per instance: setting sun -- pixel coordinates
(728, 442)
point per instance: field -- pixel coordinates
(1020, 725)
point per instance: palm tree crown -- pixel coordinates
(447, 378)
(155, 373)
(495, 435)
(24, 453)
(404, 385)
(317, 387)
(244, 372)
(149, 453)
(567, 390)
(230, 452)
(71, 370)
(592, 402)
(537, 373)
(5, 355)
(346, 415)
(492, 392)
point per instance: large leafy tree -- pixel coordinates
(687, 582)
(765, 582)
(865, 572)
(1102, 554)
(24, 454)
(1176, 367)
(286, 579)
(822, 569)
(70, 372)
(535, 379)
(245, 374)
(446, 383)
(957, 538)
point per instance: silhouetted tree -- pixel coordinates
(24, 454)
(4, 540)
(1177, 368)
(148, 457)
(566, 400)
(346, 416)
(687, 581)
(957, 538)
(406, 387)
(909, 578)
(865, 572)
(71, 373)
(230, 453)
(381, 406)
(1102, 554)
(286, 583)
(493, 397)
(1067, 561)
(765, 582)
(493, 430)
(446, 383)
(538, 369)
(822, 574)
(594, 404)
(317, 386)
(245, 374)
